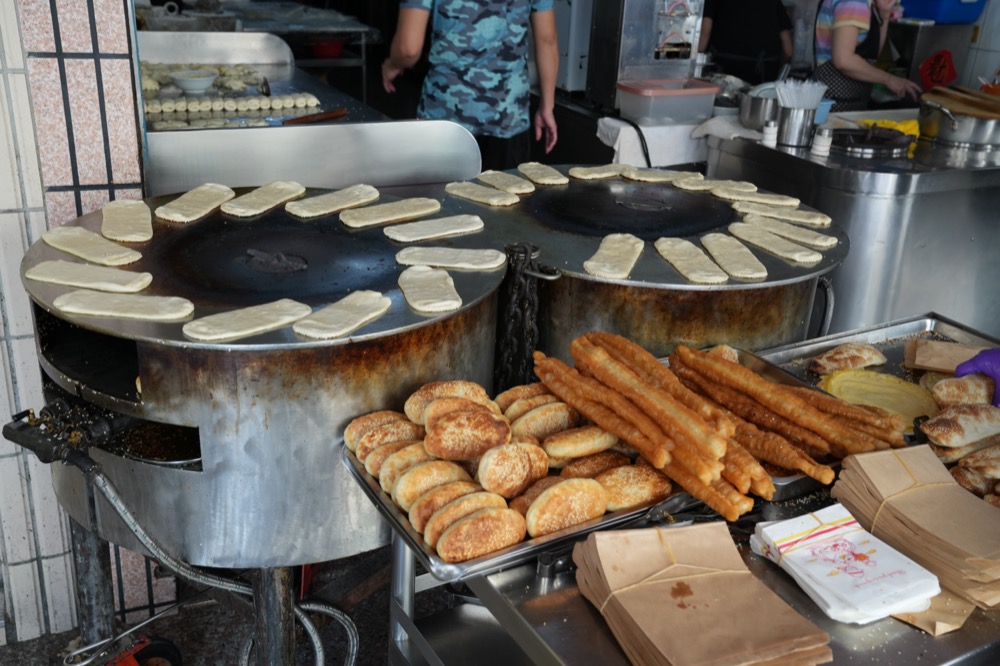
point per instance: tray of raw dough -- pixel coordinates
(512, 555)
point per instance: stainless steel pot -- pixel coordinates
(756, 108)
(943, 125)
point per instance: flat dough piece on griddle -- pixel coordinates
(441, 227)
(597, 172)
(88, 276)
(808, 218)
(332, 202)
(806, 237)
(263, 199)
(481, 194)
(776, 245)
(429, 290)
(452, 257)
(196, 203)
(730, 194)
(658, 175)
(346, 315)
(124, 306)
(734, 257)
(245, 322)
(394, 211)
(542, 174)
(701, 184)
(90, 246)
(690, 261)
(507, 182)
(126, 220)
(615, 257)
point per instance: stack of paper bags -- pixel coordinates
(908, 499)
(683, 596)
(851, 575)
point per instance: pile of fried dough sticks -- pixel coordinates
(708, 422)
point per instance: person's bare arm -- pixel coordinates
(543, 28)
(850, 64)
(407, 45)
(706, 34)
(786, 44)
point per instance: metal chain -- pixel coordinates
(517, 333)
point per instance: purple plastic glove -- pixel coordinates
(986, 362)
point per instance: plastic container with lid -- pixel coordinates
(666, 101)
(944, 11)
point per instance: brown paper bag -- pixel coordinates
(947, 613)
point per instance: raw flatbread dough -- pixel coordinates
(756, 197)
(809, 218)
(702, 184)
(124, 306)
(429, 289)
(452, 257)
(195, 204)
(126, 220)
(542, 174)
(806, 237)
(734, 257)
(481, 194)
(394, 211)
(441, 227)
(90, 246)
(348, 314)
(263, 199)
(615, 257)
(690, 261)
(765, 240)
(332, 202)
(597, 172)
(98, 278)
(658, 175)
(507, 182)
(246, 321)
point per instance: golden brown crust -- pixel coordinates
(985, 461)
(420, 478)
(424, 506)
(848, 356)
(435, 409)
(480, 533)
(962, 425)
(505, 470)
(969, 390)
(506, 398)
(975, 482)
(359, 426)
(399, 462)
(993, 499)
(386, 433)
(418, 401)
(538, 457)
(457, 509)
(629, 486)
(572, 502)
(519, 408)
(467, 434)
(546, 420)
(590, 466)
(579, 442)
(524, 500)
(374, 460)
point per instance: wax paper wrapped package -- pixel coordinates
(851, 575)
(684, 597)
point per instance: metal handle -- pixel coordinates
(943, 109)
(827, 286)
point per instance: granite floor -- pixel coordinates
(211, 633)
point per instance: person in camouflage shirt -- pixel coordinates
(478, 73)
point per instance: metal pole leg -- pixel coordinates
(94, 588)
(275, 622)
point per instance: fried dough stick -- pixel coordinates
(649, 368)
(869, 419)
(606, 408)
(748, 409)
(758, 480)
(719, 496)
(685, 427)
(783, 402)
(775, 449)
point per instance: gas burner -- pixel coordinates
(870, 143)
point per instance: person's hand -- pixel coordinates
(901, 87)
(545, 128)
(389, 74)
(986, 362)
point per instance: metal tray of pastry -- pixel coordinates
(889, 338)
(518, 553)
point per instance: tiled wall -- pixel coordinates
(984, 55)
(69, 143)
